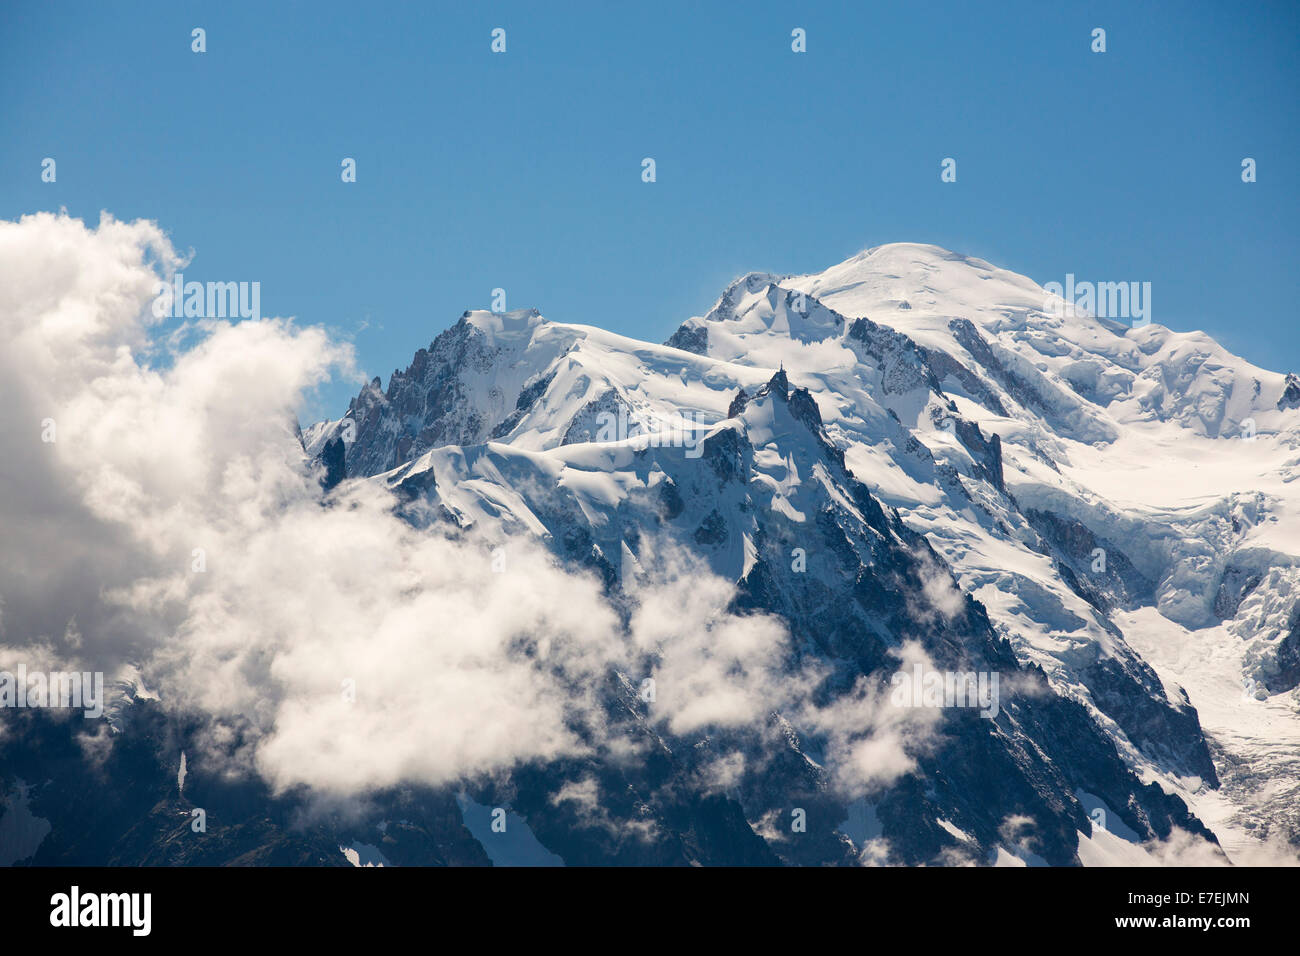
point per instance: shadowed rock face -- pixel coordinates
(1113, 581)
(690, 338)
(903, 363)
(432, 403)
(335, 462)
(129, 811)
(1291, 392)
(422, 408)
(1288, 660)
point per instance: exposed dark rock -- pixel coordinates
(1288, 659)
(690, 337)
(1290, 392)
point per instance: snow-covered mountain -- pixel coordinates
(912, 462)
(1114, 499)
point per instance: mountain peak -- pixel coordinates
(504, 326)
(1290, 392)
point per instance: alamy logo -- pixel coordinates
(919, 688)
(134, 910)
(211, 300)
(71, 689)
(1105, 300)
(611, 427)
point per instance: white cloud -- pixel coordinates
(871, 742)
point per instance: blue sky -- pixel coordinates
(523, 170)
